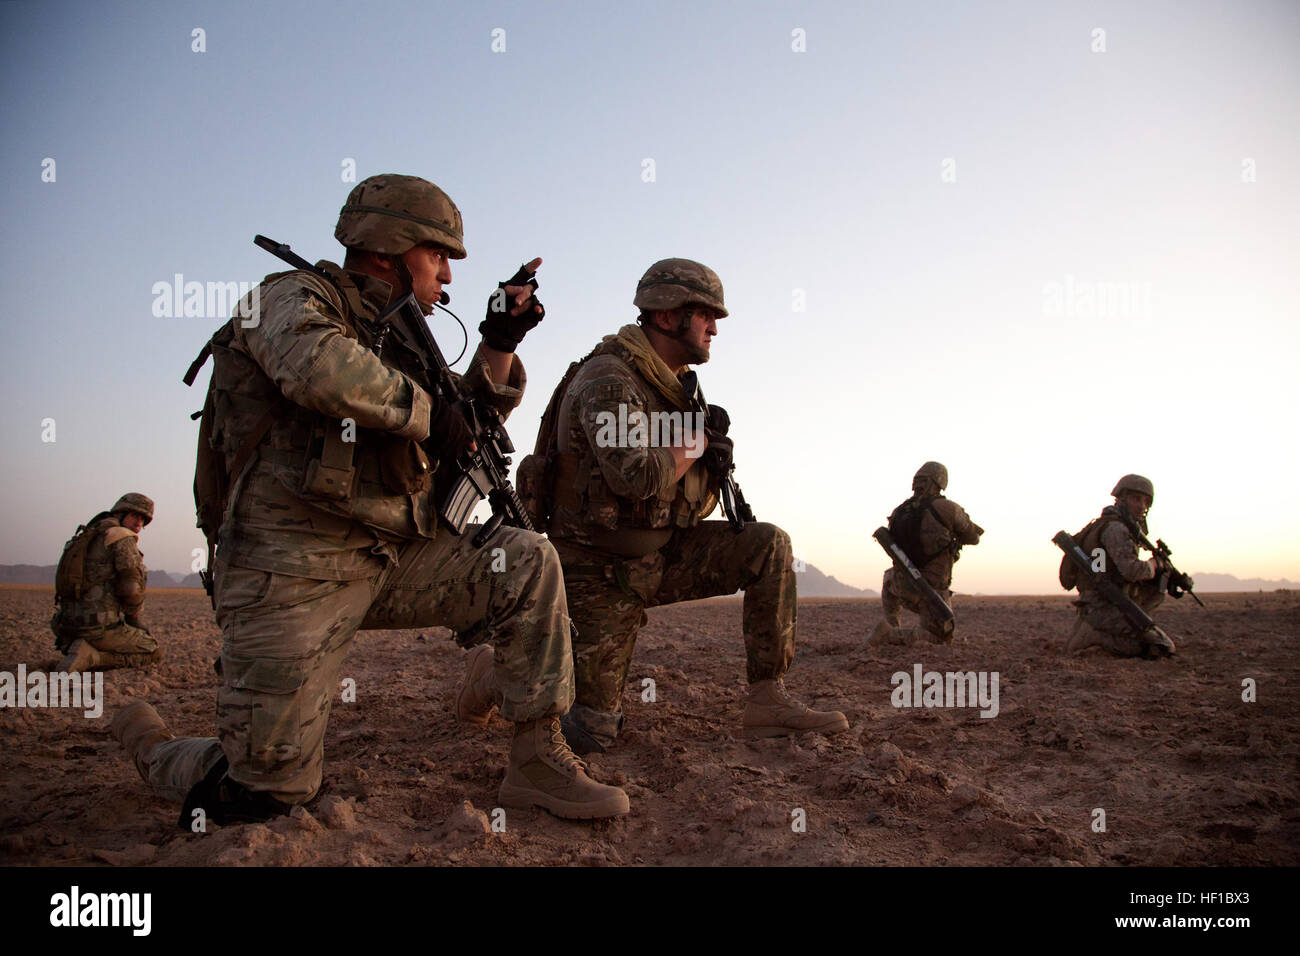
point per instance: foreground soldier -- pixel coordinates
(332, 525)
(1099, 623)
(932, 530)
(626, 517)
(99, 592)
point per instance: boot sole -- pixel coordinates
(832, 727)
(522, 798)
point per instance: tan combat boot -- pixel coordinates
(477, 697)
(1159, 644)
(81, 656)
(770, 712)
(138, 728)
(544, 772)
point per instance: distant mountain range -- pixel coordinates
(1207, 582)
(812, 583)
(44, 575)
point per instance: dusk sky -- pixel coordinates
(1045, 244)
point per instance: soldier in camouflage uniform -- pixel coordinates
(1099, 623)
(99, 592)
(331, 524)
(943, 527)
(626, 515)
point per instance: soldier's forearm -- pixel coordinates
(498, 363)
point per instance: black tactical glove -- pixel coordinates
(717, 457)
(503, 331)
(449, 430)
(718, 420)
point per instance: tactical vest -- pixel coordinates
(246, 414)
(570, 484)
(1089, 540)
(83, 582)
(920, 542)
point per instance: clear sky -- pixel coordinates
(984, 233)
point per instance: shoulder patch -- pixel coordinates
(115, 534)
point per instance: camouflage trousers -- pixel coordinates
(285, 638)
(608, 596)
(119, 645)
(1100, 623)
(896, 593)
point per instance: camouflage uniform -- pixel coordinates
(103, 606)
(1099, 622)
(945, 527)
(630, 536)
(318, 541)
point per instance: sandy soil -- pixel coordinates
(1186, 772)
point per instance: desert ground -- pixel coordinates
(1186, 772)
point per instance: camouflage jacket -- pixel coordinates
(621, 495)
(113, 578)
(319, 500)
(1110, 532)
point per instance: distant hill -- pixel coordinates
(1226, 582)
(812, 583)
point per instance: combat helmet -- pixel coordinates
(391, 214)
(1135, 483)
(672, 283)
(934, 471)
(135, 502)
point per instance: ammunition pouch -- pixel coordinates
(534, 484)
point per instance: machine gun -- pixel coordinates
(481, 473)
(734, 505)
(940, 609)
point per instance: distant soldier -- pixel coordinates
(931, 529)
(627, 518)
(1099, 622)
(99, 592)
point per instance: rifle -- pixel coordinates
(1179, 583)
(905, 566)
(1136, 617)
(734, 505)
(482, 473)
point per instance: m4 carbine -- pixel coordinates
(1179, 583)
(734, 505)
(481, 473)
